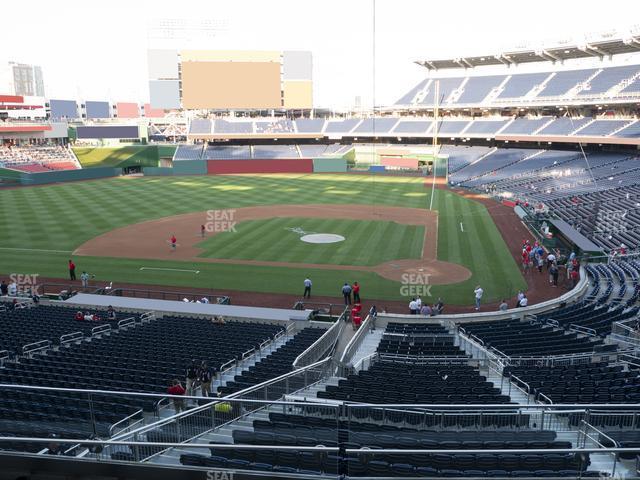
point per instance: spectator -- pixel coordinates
(553, 273)
(503, 306)
(307, 288)
(418, 302)
(204, 300)
(413, 307)
(551, 259)
(13, 289)
(79, 316)
(426, 310)
(540, 263)
(72, 270)
(4, 289)
(192, 377)
(84, 278)
(373, 316)
(54, 447)
(111, 314)
(346, 293)
(574, 277)
(523, 301)
(204, 377)
(356, 292)
(177, 389)
(478, 292)
(519, 297)
(439, 305)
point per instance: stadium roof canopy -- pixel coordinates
(594, 49)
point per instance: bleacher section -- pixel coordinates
(275, 364)
(143, 358)
(525, 88)
(37, 158)
(518, 338)
(188, 152)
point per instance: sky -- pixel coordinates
(96, 50)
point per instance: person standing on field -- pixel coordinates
(307, 288)
(346, 293)
(356, 292)
(72, 270)
(84, 278)
(202, 231)
(478, 295)
(173, 242)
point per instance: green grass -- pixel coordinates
(62, 217)
(127, 156)
(366, 242)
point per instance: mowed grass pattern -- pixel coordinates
(62, 217)
(366, 242)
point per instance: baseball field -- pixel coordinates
(392, 233)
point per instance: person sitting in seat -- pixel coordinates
(111, 314)
(79, 316)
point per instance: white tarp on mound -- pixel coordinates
(172, 306)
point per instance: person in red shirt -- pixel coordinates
(202, 230)
(72, 270)
(173, 242)
(574, 277)
(177, 389)
(79, 316)
(356, 292)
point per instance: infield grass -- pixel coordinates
(273, 239)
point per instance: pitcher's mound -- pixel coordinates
(322, 238)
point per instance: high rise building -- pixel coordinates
(21, 79)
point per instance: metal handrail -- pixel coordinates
(125, 419)
(560, 407)
(230, 398)
(521, 382)
(599, 432)
(584, 330)
(71, 337)
(476, 339)
(355, 342)
(548, 400)
(229, 364)
(100, 329)
(36, 347)
(247, 353)
(324, 343)
(126, 322)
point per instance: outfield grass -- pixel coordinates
(62, 217)
(366, 242)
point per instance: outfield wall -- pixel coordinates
(329, 165)
(157, 171)
(221, 167)
(59, 176)
(190, 167)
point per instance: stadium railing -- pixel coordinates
(325, 344)
(221, 298)
(626, 332)
(356, 341)
(214, 414)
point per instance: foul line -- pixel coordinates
(170, 269)
(461, 229)
(35, 250)
(433, 189)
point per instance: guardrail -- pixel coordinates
(99, 330)
(584, 330)
(35, 347)
(221, 298)
(324, 344)
(355, 342)
(204, 418)
(323, 308)
(71, 338)
(4, 356)
(126, 322)
(127, 420)
(626, 332)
